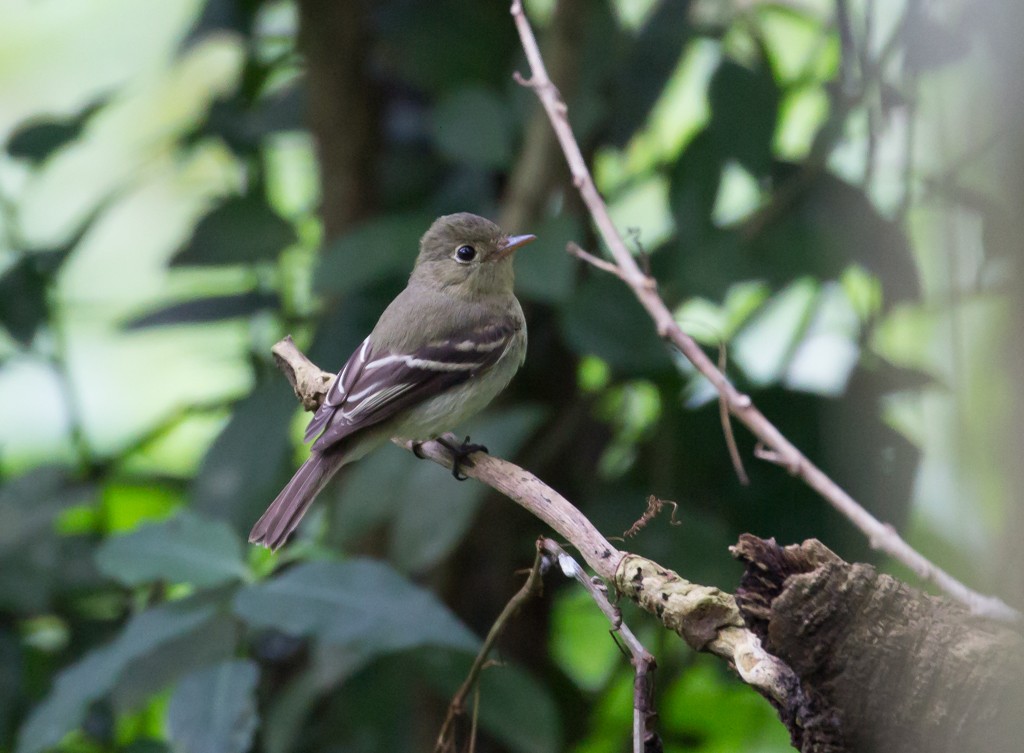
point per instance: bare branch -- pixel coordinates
(730, 437)
(880, 535)
(528, 491)
(538, 171)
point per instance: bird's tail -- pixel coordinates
(285, 512)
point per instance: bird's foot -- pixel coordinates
(460, 455)
(417, 450)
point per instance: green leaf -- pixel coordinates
(213, 641)
(242, 230)
(289, 709)
(580, 642)
(35, 562)
(832, 225)
(214, 710)
(219, 16)
(765, 345)
(604, 319)
(93, 676)
(354, 517)
(361, 604)
(429, 512)
(707, 705)
(244, 465)
(37, 141)
(244, 124)
(30, 502)
(518, 710)
(710, 323)
(23, 307)
(382, 247)
(744, 109)
(828, 351)
(642, 76)
(213, 308)
(184, 549)
(24, 285)
(473, 126)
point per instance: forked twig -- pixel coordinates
(529, 590)
(595, 261)
(641, 659)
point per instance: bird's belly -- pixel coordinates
(446, 411)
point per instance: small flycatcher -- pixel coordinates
(440, 352)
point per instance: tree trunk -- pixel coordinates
(334, 37)
(881, 666)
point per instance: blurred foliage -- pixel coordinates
(820, 188)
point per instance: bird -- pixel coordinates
(440, 352)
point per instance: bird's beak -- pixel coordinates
(511, 242)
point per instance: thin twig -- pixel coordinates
(596, 261)
(880, 535)
(529, 590)
(642, 660)
(474, 720)
(771, 456)
(723, 415)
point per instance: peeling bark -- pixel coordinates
(887, 667)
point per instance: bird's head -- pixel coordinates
(467, 255)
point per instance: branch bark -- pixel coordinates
(880, 535)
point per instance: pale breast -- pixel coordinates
(446, 411)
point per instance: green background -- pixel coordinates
(829, 190)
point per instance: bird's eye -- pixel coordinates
(465, 254)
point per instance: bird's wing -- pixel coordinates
(375, 384)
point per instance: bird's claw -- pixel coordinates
(460, 455)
